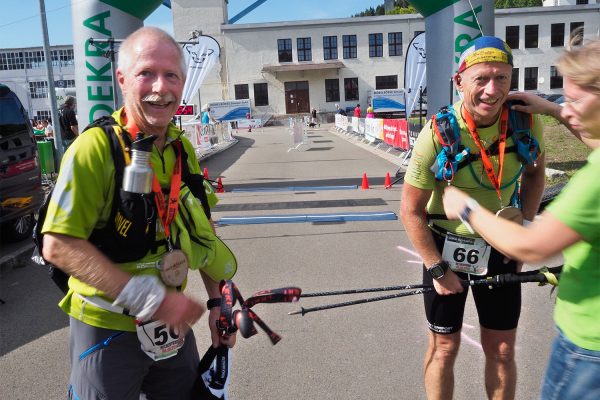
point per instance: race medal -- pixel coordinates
(512, 214)
(174, 268)
(465, 254)
(158, 340)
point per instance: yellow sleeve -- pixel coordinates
(424, 153)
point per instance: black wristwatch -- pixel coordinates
(438, 270)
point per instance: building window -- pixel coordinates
(241, 91)
(330, 48)
(11, 60)
(531, 36)
(284, 48)
(395, 43)
(557, 35)
(350, 89)
(531, 78)
(375, 44)
(62, 57)
(512, 36)
(349, 43)
(332, 90)
(38, 89)
(556, 80)
(514, 80)
(261, 94)
(386, 82)
(582, 2)
(43, 114)
(576, 36)
(304, 49)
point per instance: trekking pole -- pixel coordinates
(361, 301)
(543, 276)
(364, 290)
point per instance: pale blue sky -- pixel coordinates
(20, 25)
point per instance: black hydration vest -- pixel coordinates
(130, 231)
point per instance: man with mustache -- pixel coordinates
(489, 171)
(130, 322)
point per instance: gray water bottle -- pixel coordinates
(137, 177)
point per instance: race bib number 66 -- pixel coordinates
(468, 255)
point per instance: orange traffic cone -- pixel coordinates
(220, 188)
(205, 173)
(365, 181)
(388, 181)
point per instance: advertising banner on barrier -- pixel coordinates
(395, 133)
(230, 110)
(355, 124)
(344, 123)
(361, 125)
(374, 128)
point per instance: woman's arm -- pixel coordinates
(545, 237)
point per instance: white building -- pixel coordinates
(289, 67)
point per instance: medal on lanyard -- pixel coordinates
(174, 264)
(495, 180)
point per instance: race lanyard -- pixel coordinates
(485, 158)
(167, 212)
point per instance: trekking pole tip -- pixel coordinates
(301, 311)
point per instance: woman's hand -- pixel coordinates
(454, 202)
(534, 104)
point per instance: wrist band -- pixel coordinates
(142, 296)
(212, 303)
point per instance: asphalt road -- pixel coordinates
(371, 351)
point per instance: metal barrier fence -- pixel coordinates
(397, 134)
(208, 138)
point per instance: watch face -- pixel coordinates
(436, 271)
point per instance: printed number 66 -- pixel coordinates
(460, 254)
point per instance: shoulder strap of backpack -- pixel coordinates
(194, 181)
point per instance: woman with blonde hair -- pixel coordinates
(571, 224)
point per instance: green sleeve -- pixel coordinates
(424, 153)
(577, 204)
(82, 196)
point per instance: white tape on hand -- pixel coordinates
(142, 296)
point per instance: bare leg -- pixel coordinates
(500, 365)
(439, 365)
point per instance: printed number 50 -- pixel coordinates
(460, 255)
(161, 334)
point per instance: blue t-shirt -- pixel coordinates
(205, 118)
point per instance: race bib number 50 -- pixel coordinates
(159, 341)
(468, 255)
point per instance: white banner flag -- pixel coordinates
(201, 57)
(414, 72)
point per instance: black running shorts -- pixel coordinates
(498, 308)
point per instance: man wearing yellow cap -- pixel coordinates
(484, 160)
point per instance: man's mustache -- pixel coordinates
(156, 98)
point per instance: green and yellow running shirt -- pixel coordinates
(577, 308)
(472, 178)
(82, 201)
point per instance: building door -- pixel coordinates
(296, 97)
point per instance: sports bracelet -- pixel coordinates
(142, 295)
(212, 303)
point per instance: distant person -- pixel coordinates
(68, 121)
(207, 117)
(339, 110)
(357, 111)
(313, 117)
(370, 113)
(48, 129)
